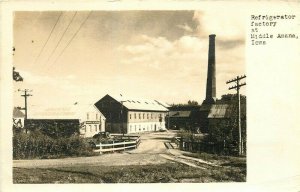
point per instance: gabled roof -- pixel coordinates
(225, 111)
(75, 111)
(138, 104)
(52, 112)
(17, 113)
(163, 104)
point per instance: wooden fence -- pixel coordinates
(208, 147)
(119, 146)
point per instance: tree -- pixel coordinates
(224, 130)
(230, 98)
(192, 103)
(16, 75)
(188, 104)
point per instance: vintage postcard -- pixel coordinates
(186, 95)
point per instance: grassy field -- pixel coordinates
(219, 159)
(164, 173)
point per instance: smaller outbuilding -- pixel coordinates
(225, 113)
(83, 119)
(183, 117)
(91, 121)
(18, 118)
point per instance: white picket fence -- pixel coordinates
(118, 146)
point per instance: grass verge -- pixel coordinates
(162, 173)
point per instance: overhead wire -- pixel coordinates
(48, 38)
(74, 35)
(58, 43)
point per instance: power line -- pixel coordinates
(72, 37)
(237, 86)
(48, 38)
(61, 37)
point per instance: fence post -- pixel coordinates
(100, 148)
(113, 146)
(136, 143)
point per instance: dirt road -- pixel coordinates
(152, 144)
(152, 150)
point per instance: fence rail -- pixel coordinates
(208, 147)
(118, 146)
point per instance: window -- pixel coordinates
(139, 116)
(151, 116)
(129, 116)
(135, 128)
(143, 115)
(147, 115)
(96, 128)
(90, 128)
(160, 117)
(96, 116)
(134, 115)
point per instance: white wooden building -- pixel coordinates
(91, 120)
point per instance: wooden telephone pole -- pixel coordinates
(237, 86)
(25, 95)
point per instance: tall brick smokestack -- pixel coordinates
(211, 72)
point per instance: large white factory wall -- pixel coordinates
(145, 127)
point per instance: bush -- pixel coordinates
(189, 136)
(38, 145)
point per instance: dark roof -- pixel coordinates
(17, 113)
(138, 104)
(184, 108)
(180, 113)
(225, 111)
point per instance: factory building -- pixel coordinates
(213, 111)
(83, 119)
(126, 115)
(91, 121)
(183, 117)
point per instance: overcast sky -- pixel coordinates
(158, 55)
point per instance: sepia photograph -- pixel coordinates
(129, 97)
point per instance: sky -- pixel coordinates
(159, 55)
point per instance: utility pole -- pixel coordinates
(26, 91)
(237, 86)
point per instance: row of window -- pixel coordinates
(91, 128)
(88, 116)
(139, 128)
(145, 116)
